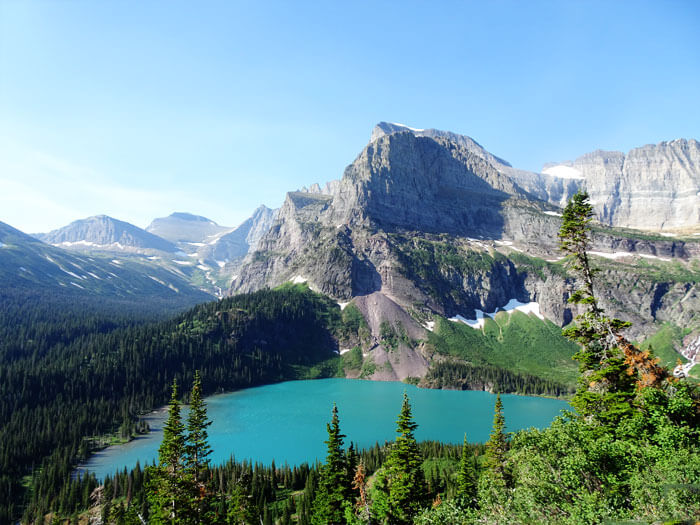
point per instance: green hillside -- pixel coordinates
(512, 341)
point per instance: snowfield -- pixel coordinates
(511, 306)
(563, 172)
(619, 255)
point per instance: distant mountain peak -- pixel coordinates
(185, 227)
(184, 216)
(102, 232)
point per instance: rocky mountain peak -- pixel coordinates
(184, 216)
(388, 128)
(422, 179)
(102, 232)
(185, 227)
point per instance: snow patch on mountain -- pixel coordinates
(71, 273)
(563, 172)
(158, 280)
(407, 127)
(298, 279)
(510, 307)
(620, 255)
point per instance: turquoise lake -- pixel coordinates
(287, 421)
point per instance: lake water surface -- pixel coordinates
(287, 421)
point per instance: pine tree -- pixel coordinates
(493, 483)
(333, 491)
(612, 369)
(197, 445)
(497, 445)
(400, 491)
(197, 449)
(467, 477)
(171, 487)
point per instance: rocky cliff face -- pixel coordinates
(236, 243)
(430, 223)
(655, 187)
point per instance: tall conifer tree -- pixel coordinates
(400, 487)
(171, 487)
(612, 369)
(197, 445)
(497, 445)
(467, 477)
(333, 493)
(197, 449)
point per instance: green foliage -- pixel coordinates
(197, 449)
(539, 267)
(606, 388)
(514, 342)
(334, 492)
(462, 376)
(399, 488)
(467, 477)
(447, 513)
(388, 336)
(352, 360)
(665, 343)
(171, 490)
(75, 372)
(369, 367)
(497, 445)
(354, 325)
(438, 265)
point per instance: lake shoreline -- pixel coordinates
(350, 396)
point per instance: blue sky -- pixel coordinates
(138, 109)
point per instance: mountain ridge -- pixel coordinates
(104, 232)
(430, 225)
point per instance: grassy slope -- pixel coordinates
(515, 342)
(665, 342)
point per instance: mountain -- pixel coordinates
(426, 224)
(654, 187)
(29, 265)
(186, 228)
(105, 233)
(236, 244)
(194, 247)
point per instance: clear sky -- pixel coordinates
(138, 109)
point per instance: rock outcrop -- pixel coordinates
(431, 223)
(655, 187)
